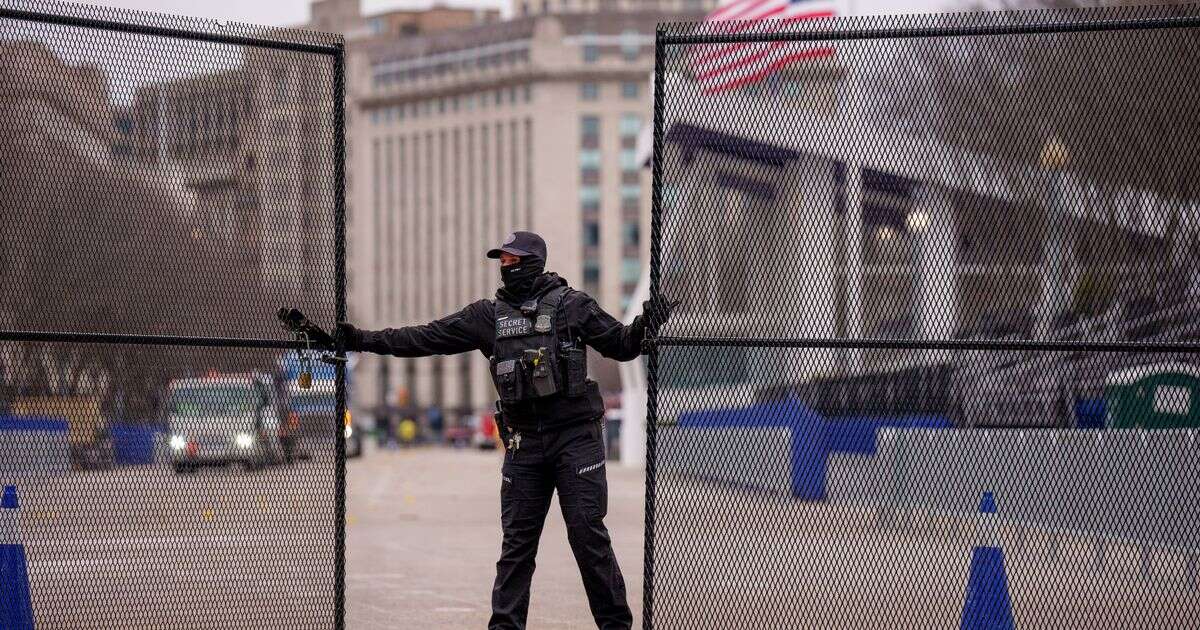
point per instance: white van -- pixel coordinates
(224, 419)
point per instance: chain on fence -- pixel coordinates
(166, 185)
(935, 364)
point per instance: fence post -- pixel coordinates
(651, 349)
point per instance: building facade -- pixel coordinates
(459, 138)
(237, 140)
(346, 17)
(541, 7)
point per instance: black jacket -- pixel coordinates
(474, 328)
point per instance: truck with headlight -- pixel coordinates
(224, 419)
(310, 409)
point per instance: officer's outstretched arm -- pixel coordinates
(461, 332)
(603, 332)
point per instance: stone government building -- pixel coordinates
(458, 137)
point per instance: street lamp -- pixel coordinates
(1055, 155)
(917, 221)
(1057, 246)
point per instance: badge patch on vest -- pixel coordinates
(512, 327)
(506, 367)
(543, 324)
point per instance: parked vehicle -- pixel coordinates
(484, 434)
(354, 437)
(224, 419)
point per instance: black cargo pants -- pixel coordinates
(570, 460)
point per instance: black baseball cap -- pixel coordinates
(521, 244)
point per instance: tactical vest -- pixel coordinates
(529, 361)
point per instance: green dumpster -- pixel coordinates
(1160, 396)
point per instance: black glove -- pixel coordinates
(295, 321)
(658, 309)
(346, 334)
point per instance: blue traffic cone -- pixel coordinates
(988, 605)
(16, 606)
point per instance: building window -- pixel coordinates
(589, 91)
(630, 46)
(591, 52)
(591, 275)
(528, 93)
(631, 270)
(589, 198)
(629, 160)
(631, 90)
(591, 233)
(631, 192)
(631, 233)
(589, 158)
(589, 194)
(631, 125)
(589, 130)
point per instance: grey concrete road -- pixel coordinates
(145, 548)
(423, 536)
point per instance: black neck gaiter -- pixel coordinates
(519, 278)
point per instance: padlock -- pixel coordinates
(304, 380)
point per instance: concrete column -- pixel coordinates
(422, 391)
(1058, 257)
(931, 224)
(804, 258)
(451, 383)
(483, 393)
(854, 263)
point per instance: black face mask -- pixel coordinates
(518, 279)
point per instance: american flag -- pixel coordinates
(721, 67)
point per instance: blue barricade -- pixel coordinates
(132, 444)
(813, 437)
(1090, 414)
(33, 423)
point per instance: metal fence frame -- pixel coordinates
(337, 53)
(930, 26)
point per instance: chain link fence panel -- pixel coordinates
(935, 361)
(167, 184)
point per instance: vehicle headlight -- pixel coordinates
(349, 431)
(178, 442)
(244, 440)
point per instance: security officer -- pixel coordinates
(535, 334)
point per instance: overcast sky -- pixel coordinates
(274, 12)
